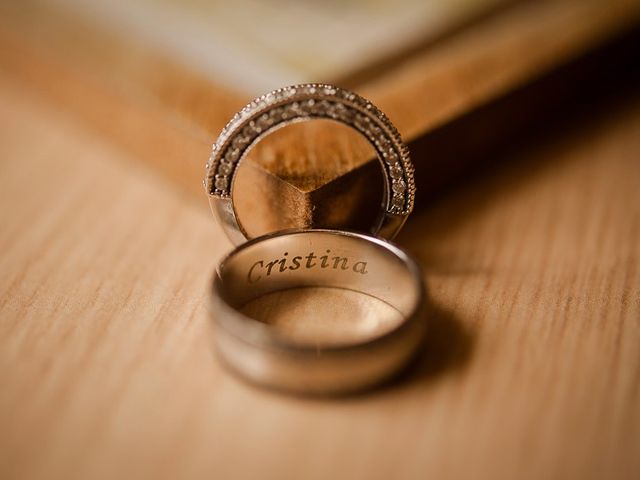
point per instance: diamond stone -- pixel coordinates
(254, 128)
(249, 132)
(221, 183)
(275, 113)
(390, 157)
(232, 155)
(360, 122)
(239, 142)
(399, 186)
(295, 108)
(263, 121)
(346, 114)
(225, 168)
(397, 202)
(395, 171)
(321, 107)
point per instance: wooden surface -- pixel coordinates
(531, 370)
(305, 158)
(168, 115)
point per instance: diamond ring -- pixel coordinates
(304, 102)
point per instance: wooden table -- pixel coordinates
(531, 370)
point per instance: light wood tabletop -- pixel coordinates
(531, 369)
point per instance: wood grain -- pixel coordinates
(303, 160)
(532, 368)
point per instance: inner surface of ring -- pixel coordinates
(314, 173)
(327, 287)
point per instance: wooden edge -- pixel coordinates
(167, 115)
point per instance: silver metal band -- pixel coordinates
(304, 102)
(292, 259)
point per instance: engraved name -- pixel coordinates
(262, 268)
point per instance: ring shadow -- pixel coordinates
(447, 347)
(449, 342)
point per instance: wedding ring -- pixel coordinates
(316, 258)
(304, 102)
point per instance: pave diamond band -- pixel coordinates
(309, 101)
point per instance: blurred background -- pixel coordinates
(257, 46)
(459, 78)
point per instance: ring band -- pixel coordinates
(303, 102)
(316, 258)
